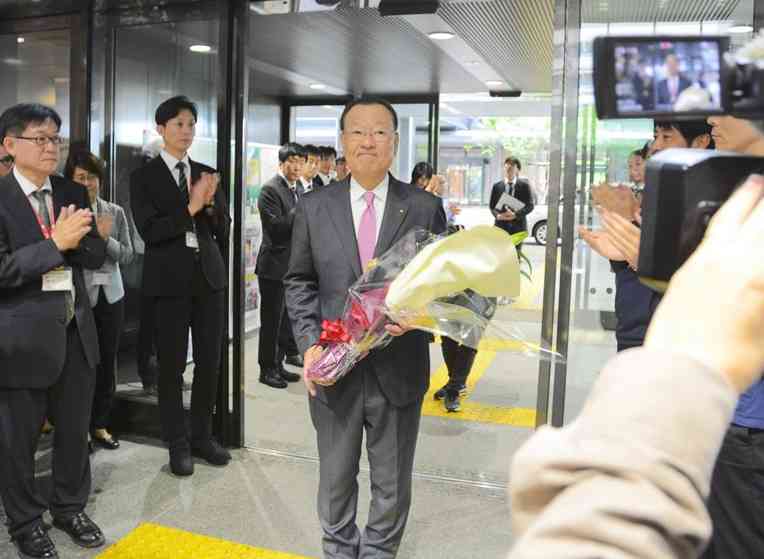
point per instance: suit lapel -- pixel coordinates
(341, 214)
(22, 208)
(396, 208)
(163, 171)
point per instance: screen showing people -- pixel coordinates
(680, 76)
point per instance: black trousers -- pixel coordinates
(147, 339)
(459, 360)
(204, 313)
(736, 502)
(276, 337)
(22, 412)
(109, 319)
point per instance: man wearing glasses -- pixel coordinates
(6, 162)
(48, 339)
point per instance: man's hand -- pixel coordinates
(454, 208)
(71, 226)
(436, 185)
(714, 305)
(618, 199)
(601, 244)
(199, 194)
(213, 181)
(396, 330)
(105, 225)
(310, 357)
(623, 234)
(507, 215)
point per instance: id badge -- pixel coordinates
(191, 240)
(60, 279)
(101, 278)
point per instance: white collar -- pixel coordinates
(326, 178)
(512, 182)
(289, 184)
(380, 191)
(28, 186)
(171, 161)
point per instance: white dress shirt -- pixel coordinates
(510, 186)
(358, 202)
(29, 188)
(325, 178)
(171, 162)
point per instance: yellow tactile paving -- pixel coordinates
(474, 411)
(151, 541)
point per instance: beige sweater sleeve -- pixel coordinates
(628, 477)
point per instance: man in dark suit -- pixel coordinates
(512, 221)
(337, 231)
(277, 203)
(183, 218)
(673, 84)
(326, 163)
(48, 340)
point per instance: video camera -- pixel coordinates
(678, 78)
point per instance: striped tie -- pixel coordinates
(182, 180)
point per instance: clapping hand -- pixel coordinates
(72, 224)
(105, 225)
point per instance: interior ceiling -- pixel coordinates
(352, 51)
(357, 51)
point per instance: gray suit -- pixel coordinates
(383, 394)
(119, 251)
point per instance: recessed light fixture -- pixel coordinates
(20, 40)
(494, 83)
(741, 29)
(200, 48)
(441, 35)
(471, 63)
(317, 86)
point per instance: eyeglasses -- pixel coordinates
(7, 161)
(41, 141)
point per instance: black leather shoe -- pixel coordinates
(211, 451)
(452, 400)
(108, 442)
(83, 531)
(273, 379)
(440, 394)
(180, 462)
(35, 544)
(295, 360)
(289, 376)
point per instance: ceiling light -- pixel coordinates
(317, 86)
(471, 63)
(441, 35)
(20, 40)
(494, 83)
(200, 48)
(741, 29)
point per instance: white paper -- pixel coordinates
(507, 201)
(60, 279)
(191, 240)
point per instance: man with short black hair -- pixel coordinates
(341, 168)
(326, 165)
(277, 202)
(338, 231)
(48, 339)
(512, 221)
(182, 217)
(6, 162)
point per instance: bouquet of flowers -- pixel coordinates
(445, 285)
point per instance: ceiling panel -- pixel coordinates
(353, 51)
(648, 11)
(513, 36)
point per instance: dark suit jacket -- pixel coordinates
(325, 262)
(318, 183)
(161, 216)
(277, 208)
(664, 95)
(32, 322)
(522, 193)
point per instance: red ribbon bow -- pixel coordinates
(334, 331)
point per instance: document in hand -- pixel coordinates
(507, 202)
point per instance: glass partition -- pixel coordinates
(603, 151)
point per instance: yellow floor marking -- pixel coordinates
(474, 411)
(151, 541)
